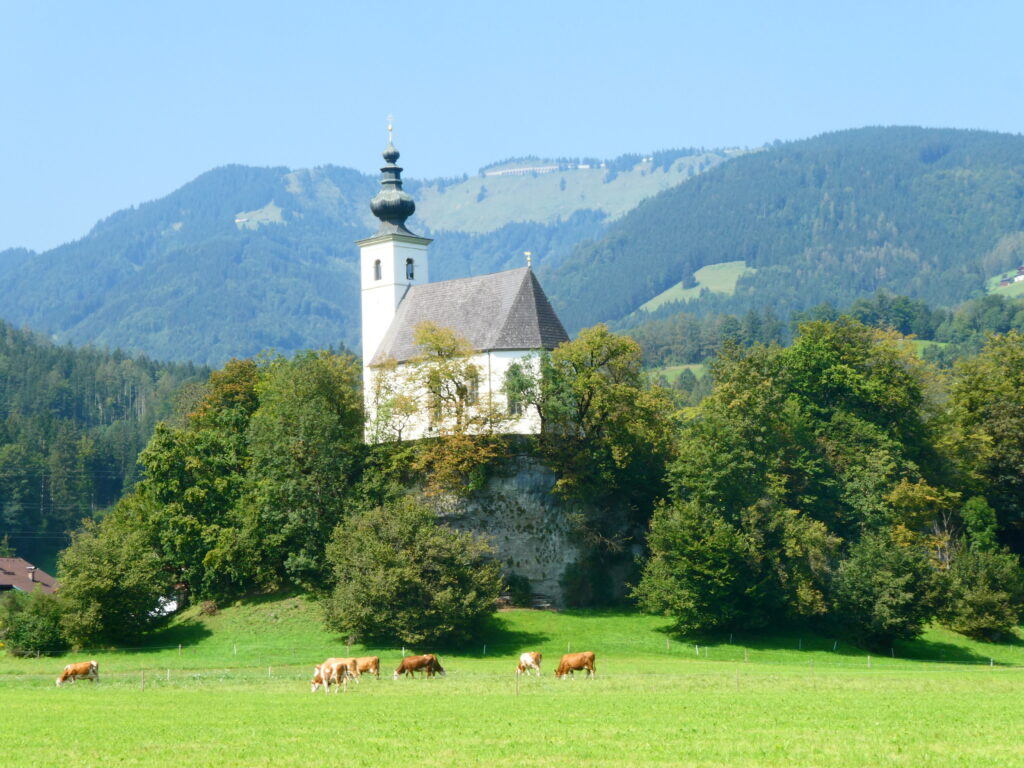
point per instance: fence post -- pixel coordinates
(696, 649)
(179, 649)
(270, 671)
(485, 649)
(869, 662)
(168, 675)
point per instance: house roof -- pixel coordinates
(504, 310)
(14, 572)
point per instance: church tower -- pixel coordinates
(391, 261)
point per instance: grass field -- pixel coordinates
(717, 278)
(671, 372)
(237, 695)
(1013, 290)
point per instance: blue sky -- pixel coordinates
(109, 104)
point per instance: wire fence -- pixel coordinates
(289, 662)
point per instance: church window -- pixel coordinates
(376, 270)
(515, 405)
(409, 274)
(473, 390)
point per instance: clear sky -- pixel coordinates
(108, 104)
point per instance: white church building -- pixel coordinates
(505, 317)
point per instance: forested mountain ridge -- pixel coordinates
(246, 259)
(930, 214)
(72, 423)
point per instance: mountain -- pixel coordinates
(930, 214)
(246, 259)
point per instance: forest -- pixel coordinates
(928, 214)
(72, 423)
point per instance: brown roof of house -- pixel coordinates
(14, 572)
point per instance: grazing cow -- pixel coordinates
(573, 661)
(331, 671)
(427, 662)
(369, 664)
(527, 661)
(82, 670)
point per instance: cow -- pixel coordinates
(335, 671)
(82, 670)
(573, 661)
(527, 661)
(427, 662)
(369, 664)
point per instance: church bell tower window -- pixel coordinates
(376, 270)
(409, 273)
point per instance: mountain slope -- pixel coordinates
(246, 259)
(925, 213)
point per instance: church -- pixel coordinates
(503, 318)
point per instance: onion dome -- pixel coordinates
(391, 205)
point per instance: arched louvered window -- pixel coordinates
(376, 270)
(409, 273)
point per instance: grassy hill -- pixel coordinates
(485, 203)
(716, 278)
(239, 690)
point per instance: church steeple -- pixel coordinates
(392, 205)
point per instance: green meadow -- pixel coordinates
(237, 694)
(717, 278)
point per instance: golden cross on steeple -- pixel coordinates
(529, 258)
(391, 119)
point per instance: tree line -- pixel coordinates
(840, 481)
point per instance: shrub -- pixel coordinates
(112, 583)
(520, 591)
(985, 593)
(401, 577)
(885, 590)
(30, 623)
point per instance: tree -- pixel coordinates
(465, 420)
(984, 593)
(605, 432)
(113, 583)
(30, 623)
(399, 576)
(306, 445)
(987, 430)
(885, 590)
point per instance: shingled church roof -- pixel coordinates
(504, 310)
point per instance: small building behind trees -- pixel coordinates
(18, 573)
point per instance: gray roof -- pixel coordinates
(505, 310)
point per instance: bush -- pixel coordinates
(520, 591)
(30, 623)
(401, 577)
(700, 571)
(985, 594)
(885, 590)
(112, 583)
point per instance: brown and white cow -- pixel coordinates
(82, 670)
(575, 661)
(527, 661)
(368, 664)
(427, 662)
(335, 671)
